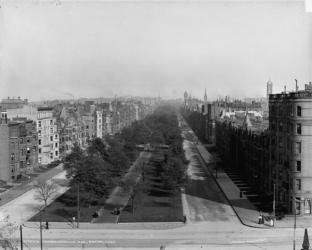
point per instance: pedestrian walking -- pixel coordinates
(271, 222)
(259, 218)
(184, 219)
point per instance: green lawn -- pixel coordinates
(59, 212)
(153, 202)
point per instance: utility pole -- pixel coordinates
(273, 201)
(78, 205)
(295, 222)
(41, 229)
(216, 166)
(21, 236)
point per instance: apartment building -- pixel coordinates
(13, 103)
(48, 137)
(18, 148)
(99, 123)
(291, 145)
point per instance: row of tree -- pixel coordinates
(100, 167)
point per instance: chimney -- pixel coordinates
(297, 88)
(285, 89)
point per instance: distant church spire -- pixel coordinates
(205, 96)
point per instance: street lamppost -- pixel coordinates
(273, 203)
(216, 166)
(295, 222)
(78, 204)
(21, 236)
(41, 247)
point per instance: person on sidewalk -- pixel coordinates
(272, 222)
(260, 218)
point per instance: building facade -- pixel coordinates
(48, 137)
(13, 103)
(18, 148)
(291, 145)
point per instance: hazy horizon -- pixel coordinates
(90, 50)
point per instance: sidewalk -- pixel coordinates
(119, 197)
(244, 209)
(119, 226)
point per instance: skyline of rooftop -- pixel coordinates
(153, 49)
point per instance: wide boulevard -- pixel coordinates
(211, 223)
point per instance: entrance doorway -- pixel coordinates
(307, 206)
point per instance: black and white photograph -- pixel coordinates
(155, 124)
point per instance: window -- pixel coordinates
(51, 155)
(51, 138)
(39, 141)
(307, 206)
(298, 206)
(291, 111)
(51, 130)
(298, 148)
(291, 128)
(39, 124)
(39, 132)
(273, 140)
(28, 140)
(51, 122)
(56, 153)
(34, 137)
(299, 128)
(55, 136)
(39, 159)
(56, 145)
(39, 150)
(298, 166)
(34, 148)
(12, 156)
(298, 184)
(21, 140)
(298, 110)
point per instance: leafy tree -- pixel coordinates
(7, 230)
(97, 146)
(73, 160)
(44, 190)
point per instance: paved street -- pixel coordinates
(205, 200)
(27, 185)
(212, 224)
(25, 206)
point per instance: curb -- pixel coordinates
(206, 168)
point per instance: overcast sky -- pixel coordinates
(136, 48)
